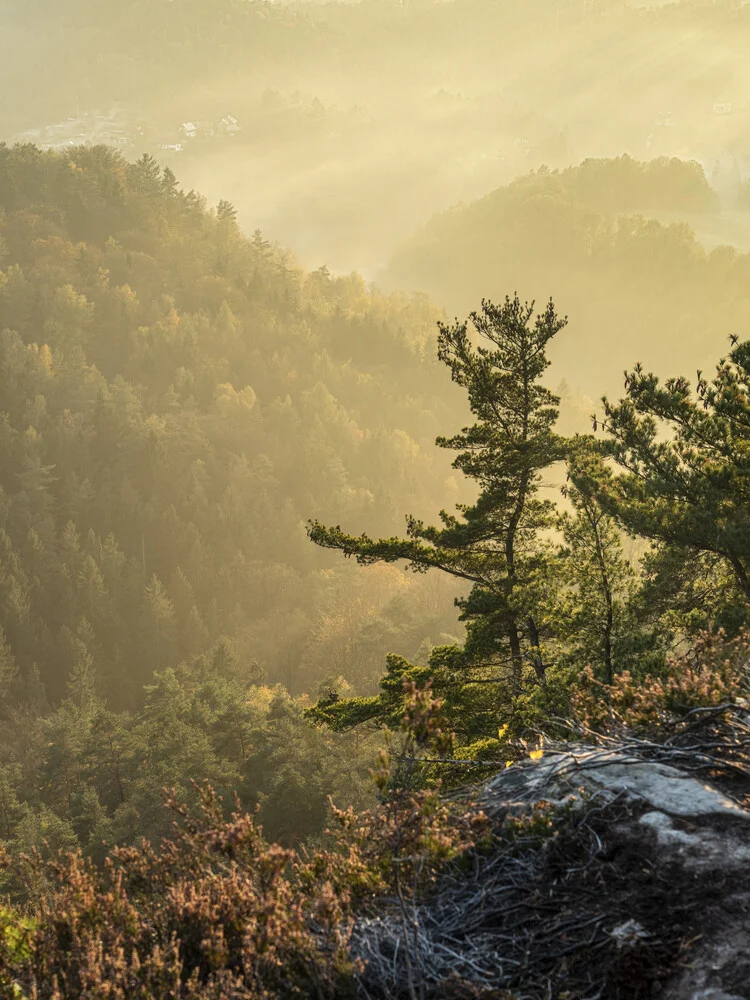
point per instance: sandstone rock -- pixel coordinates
(641, 888)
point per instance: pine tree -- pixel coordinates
(10, 806)
(169, 183)
(8, 672)
(146, 174)
(686, 461)
(65, 731)
(158, 635)
(92, 589)
(108, 754)
(225, 211)
(494, 543)
(596, 595)
(81, 682)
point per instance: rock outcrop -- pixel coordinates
(618, 872)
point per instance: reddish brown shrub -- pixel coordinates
(713, 672)
(218, 912)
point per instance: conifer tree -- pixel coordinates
(493, 544)
(158, 637)
(685, 456)
(8, 671)
(596, 596)
(10, 806)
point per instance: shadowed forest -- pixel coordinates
(384, 313)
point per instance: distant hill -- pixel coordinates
(358, 121)
(636, 288)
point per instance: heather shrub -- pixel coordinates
(216, 911)
(714, 671)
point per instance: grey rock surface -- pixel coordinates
(665, 788)
(642, 889)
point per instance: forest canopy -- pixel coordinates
(179, 399)
(176, 400)
(374, 435)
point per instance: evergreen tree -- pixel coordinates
(10, 806)
(158, 636)
(493, 544)
(82, 680)
(685, 457)
(597, 586)
(8, 673)
(111, 763)
(689, 592)
(225, 211)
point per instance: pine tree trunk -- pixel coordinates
(740, 574)
(516, 658)
(539, 667)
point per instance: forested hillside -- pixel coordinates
(643, 662)
(183, 410)
(590, 236)
(374, 483)
(358, 121)
(176, 401)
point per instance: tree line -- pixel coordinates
(610, 239)
(177, 398)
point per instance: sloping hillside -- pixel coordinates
(176, 401)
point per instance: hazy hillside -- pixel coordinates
(358, 121)
(635, 288)
(177, 400)
(307, 531)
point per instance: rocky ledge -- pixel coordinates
(616, 872)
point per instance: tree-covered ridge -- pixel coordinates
(325, 93)
(620, 185)
(176, 400)
(600, 237)
(563, 634)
